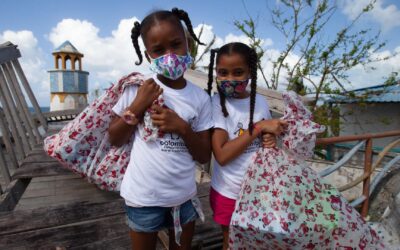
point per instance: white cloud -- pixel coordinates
(208, 34)
(106, 58)
(388, 16)
(364, 76)
(32, 62)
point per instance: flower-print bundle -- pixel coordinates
(284, 204)
(83, 145)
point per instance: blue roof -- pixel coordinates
(378, 93)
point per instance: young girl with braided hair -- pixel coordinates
(237, 133)
(159, 184)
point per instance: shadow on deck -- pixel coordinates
(66, 212)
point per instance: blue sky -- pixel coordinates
(100, 28)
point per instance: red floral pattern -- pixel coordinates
(283, 204)
(83, 145)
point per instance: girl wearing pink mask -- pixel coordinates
(242, 124)
(159, 184)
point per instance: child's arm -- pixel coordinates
(119, 131)
(226, 150)
(198, 143)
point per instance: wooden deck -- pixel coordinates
(66, 212)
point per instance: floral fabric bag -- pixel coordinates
(83, 145)
(284, 204)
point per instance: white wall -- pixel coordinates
(82, 102)
(70, 102)
(372, 118)
(55, 104)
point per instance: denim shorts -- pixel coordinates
(154, 219)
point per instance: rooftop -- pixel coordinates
(375, 94)
(67, 47)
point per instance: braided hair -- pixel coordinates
(251, 59)
(175, 15)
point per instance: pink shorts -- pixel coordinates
(222, 207)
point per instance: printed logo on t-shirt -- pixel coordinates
(254, 145)
(239, 130)
(172, 142)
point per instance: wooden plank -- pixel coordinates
(37, 150)
(58, 187)
(7, 142)
(29, 92)
(40, 157)
(37, 169)
(15, 103)
(19, 95)
(62, 113)
(19, 107)
(213, 241)
(8, 115)
(12, 194)
(47, 217)
(203, 190)
(83, 195)
(57, 190)
(121, 242)
(68, 236)
(4, 170)
(8, 51)
(44, 193)
(57, 178)
(15, 119)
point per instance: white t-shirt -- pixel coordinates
(227, 180)
(162, 172)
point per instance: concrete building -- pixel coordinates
(375, 110)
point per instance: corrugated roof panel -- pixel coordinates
(380, 93)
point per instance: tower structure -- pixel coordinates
(68, 82)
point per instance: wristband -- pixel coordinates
(130, 118)
(256, 128)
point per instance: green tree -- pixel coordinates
(325, 58)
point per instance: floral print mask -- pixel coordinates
(171, 65)
(232, 88)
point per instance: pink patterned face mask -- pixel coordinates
(232, 88)
(171, 65)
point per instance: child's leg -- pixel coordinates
(186, 237)
(145, 222)
(223, 208)
(143, 241)
(225, 233)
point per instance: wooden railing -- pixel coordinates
(369, 166)
(61, 115)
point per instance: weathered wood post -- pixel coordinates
(367, 172)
